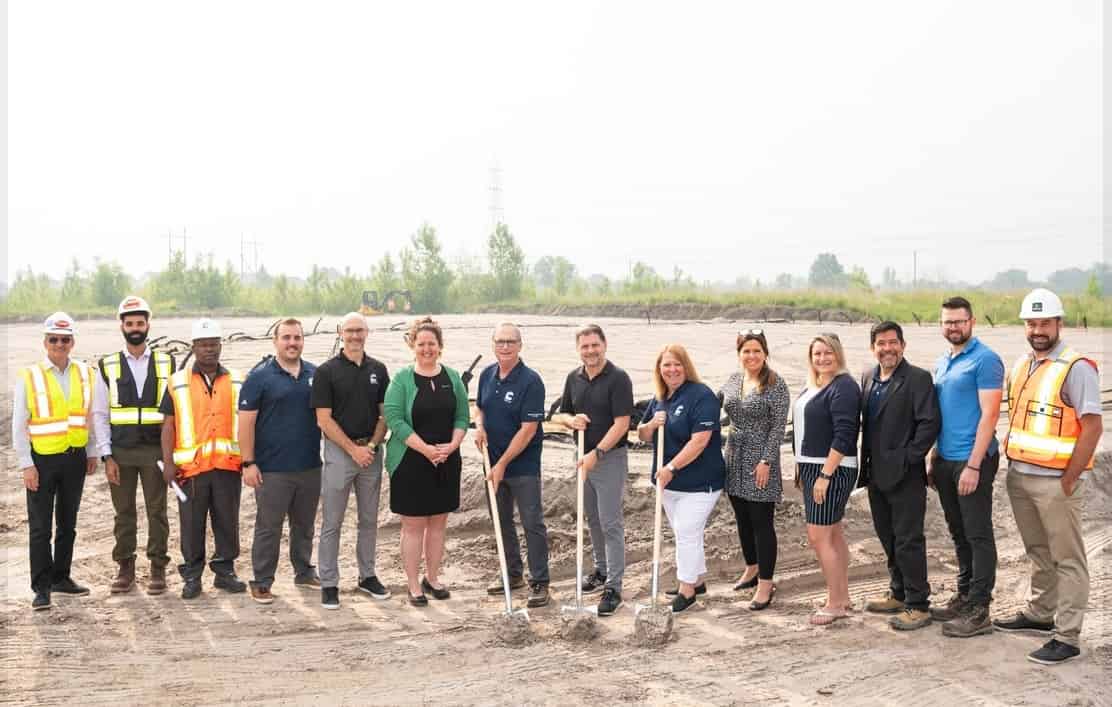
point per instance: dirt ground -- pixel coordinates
(222, 648)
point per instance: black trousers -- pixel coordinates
(61, 482)
(898, 518)
(969, 519)
(756, 528)
(213, 494)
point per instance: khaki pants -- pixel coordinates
(138, 465)
(1050, 524)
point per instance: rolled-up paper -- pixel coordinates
(174, 485)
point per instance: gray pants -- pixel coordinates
(526, 490)
(603, 495)
(339, 475)
(293, 493)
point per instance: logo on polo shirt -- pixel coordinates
(509, 397)
(708, 423)
(310, 381)
(374, 379)
(243, 403)
(678, 411)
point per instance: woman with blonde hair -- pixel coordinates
(825, 425)
(427, 412)
(693, 472)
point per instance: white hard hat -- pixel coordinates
(60, 323)
(1041, 303)
(206, 329)
(133, 304)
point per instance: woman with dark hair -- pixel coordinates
(756, 400)
(693, 471)
(825, 422)
(427, 413)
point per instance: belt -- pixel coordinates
(362, 441)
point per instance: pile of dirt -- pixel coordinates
(579, 627)
(653, 626)
(512, 629)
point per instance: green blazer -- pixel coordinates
(398, 407)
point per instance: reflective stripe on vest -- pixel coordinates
(57, 423)
(195, 455)
(118, 415)
(1042, 429)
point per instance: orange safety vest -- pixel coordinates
(207, 425)
(58, 423)
(1042, 429)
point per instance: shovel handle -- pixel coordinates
(492, 496)
(579, 522)
(657, 504)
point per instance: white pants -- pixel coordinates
(687, 513)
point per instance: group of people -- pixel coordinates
(205, 431)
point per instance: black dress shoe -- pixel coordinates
(41, 601)
(68, 587)
(701, 589)
(762, 605)
(419, 600)
(441, 593)
(747, 584)
(191, 589)
(229, 583)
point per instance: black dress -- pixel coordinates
(417, 488)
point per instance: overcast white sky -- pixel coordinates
(727, 138)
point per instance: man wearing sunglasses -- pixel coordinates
(55, 450)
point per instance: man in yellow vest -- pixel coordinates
(201, 454)
(128, 425)
(55, 452)
(1054, 425)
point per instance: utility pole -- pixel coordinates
(495, 205)
(914, 269)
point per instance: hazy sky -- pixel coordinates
(726, 138)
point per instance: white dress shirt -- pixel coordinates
(101, 421)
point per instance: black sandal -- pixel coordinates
(441, 593)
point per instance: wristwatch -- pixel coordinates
(828, 477)
(248, 462)
(600, 452)
(671, 469)
(105, 457)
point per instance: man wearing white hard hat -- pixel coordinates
(1054, 425)
(201, 452)
(56, 450)
(128, 424)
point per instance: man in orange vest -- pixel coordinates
(1054, 425)
(200, 452)
(55, 450)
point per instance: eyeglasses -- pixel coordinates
(60, 339)
(506, 342)
(951, 323)
(355, 332)
(751, 332)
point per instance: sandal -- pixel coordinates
(823, 617)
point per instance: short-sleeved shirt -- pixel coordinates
(506, 403)
(602, 398)
(286, 434)
(692, 408)
(354, 392)
(1081, 391)
(958, 380)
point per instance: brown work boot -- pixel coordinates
(951, 609)
(973, 621)
(125, 577)
(910, 619)
(887, 604)
(495, 588)
(157, 583)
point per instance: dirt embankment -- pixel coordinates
(689, 311)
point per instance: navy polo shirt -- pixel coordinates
(286, 434)
(506, 403)
(692, 408)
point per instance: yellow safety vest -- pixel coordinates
(56, 423)
(118, 415)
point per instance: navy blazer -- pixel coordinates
(907, 425)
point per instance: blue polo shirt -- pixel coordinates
(692, 408)
(957, 381)
(505, 404)
(286, 434)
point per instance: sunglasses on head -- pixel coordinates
(59, 339)
(752, 332)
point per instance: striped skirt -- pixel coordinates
(837, 493)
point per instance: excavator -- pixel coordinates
(392, 301)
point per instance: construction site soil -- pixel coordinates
(223, 648)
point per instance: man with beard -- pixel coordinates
(597, 402)
(899, 424)
(128, 424)
(200, 451)
(1054, 425)
(280, 443)
(969, 381)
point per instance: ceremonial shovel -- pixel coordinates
(498, 539)
(580, 476)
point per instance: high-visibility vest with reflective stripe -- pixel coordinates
(1042, 429)
(58, 423)
(206, 426)
(123, 415)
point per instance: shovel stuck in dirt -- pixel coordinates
(512, 627)
(578, 622)
(652, 625)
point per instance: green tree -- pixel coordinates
(1093, 288)
(345, 293)
(32, 293)
(827, 272)
(544, 272)
(859, 279)
(507, 263)
(169, 286)
(75, 286)
(384, 276)
(1011, 279)
(563, 275)
(316, 287)
(110, 284)
(424, 272)
(784, 281)
(644, 278)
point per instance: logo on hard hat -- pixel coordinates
(1036, 306)
(133, 302)
(61, 323)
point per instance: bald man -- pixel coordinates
(348, 392)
